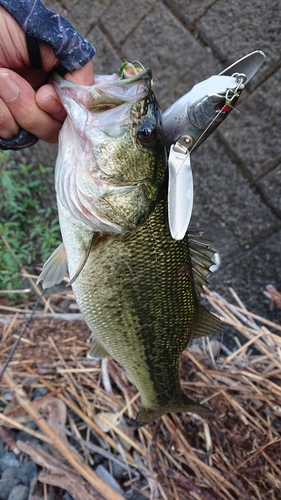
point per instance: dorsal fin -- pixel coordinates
(201, 254)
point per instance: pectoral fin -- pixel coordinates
(82, 262)
(54, 268)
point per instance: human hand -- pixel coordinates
(26, 100)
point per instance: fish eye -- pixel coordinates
(146, 132)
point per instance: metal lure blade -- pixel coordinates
(248, 65)
(180, 193)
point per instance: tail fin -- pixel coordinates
(182, 404)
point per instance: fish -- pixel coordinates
(137, 288)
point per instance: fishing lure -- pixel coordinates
(188, 123)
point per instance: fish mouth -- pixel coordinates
(146, 73)
(118, 92)
(108, 92)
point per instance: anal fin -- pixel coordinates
(206, 324)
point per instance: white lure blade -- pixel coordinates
(180, 193)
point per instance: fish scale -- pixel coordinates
(137, 288)
(141, 305)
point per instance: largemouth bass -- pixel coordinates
(137, 288)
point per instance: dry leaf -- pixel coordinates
(104, 419)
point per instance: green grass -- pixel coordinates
(30, 228)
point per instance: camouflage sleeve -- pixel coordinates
(72, 50)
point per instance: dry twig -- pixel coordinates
(233, 454)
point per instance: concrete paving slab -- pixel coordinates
(121, 18)
(83, 15)
(270, 187)
(189, 11)
(254, 134)
(232, 28)
(106, 60)
(162, 43)
(57, 7)
(249, 275)
(202, 68)
(226, 206)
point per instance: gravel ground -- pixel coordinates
(19, 472)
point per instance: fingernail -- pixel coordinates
(9, 90)
(50, 105)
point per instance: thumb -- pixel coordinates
(82, 76)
